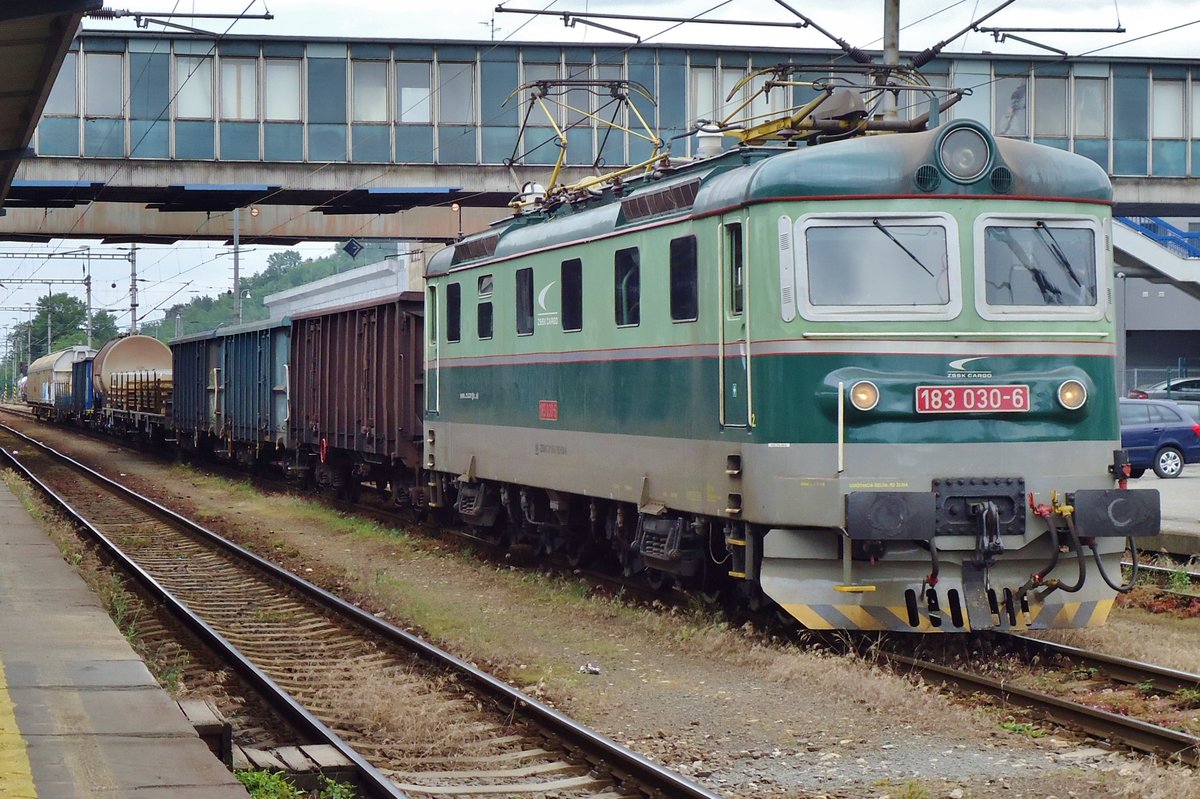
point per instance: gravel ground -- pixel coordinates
(744, 716)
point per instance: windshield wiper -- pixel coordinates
(1051, 293)
(900, 244)
(1059, 255)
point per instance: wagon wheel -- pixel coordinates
(711, 597)
(578, 549)
(348, 488)
(657, 579)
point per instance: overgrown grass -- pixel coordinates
(1023, 728)
(1179, 580)
(393, 705)
(277, 785)
(1188, 697)
(121, 605)
(297, 511)
(268, 785)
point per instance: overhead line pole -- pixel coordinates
(133, 303)
(237, 287)
(891, 52)
(28, 327)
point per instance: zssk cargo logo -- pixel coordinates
(961, 370)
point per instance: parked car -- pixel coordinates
(1159, 435)
(1180, 387)
(1191, 406)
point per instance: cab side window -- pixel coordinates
(525, 302)
(627, 271)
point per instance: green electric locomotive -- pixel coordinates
(870, 381)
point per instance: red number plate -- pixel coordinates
(972, 399)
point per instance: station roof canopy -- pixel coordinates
(34, 37)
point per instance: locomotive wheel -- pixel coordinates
(784, 618)
(577, 550)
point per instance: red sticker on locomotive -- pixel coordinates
(548, 410)
(972, 399)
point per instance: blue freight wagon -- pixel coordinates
(231, 391)
(83, 400)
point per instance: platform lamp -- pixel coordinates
(237, 236)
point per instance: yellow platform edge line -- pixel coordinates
(16, 772)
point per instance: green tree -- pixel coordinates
(67, 317)
(280, 262)
(284, 270)
(104, 329)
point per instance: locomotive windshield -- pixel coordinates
(878, 262)
(1040, 264)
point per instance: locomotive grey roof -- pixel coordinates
(883, 166)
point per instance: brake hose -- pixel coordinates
(1133, 573)
(1080, 555)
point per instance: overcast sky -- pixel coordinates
(189, 268)
(858, 21)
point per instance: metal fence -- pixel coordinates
(1134, 378)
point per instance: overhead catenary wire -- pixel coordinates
(435, 89)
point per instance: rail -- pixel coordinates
(593, 745)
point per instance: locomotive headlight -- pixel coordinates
(864, 395)
(1072, 395)
(964, 154)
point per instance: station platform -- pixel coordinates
(1180, 512)
(80, 714)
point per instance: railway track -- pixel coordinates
(325, 665)
(1091, 673)
(1146, 708)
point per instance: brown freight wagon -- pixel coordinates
(357, 381)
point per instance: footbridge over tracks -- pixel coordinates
(155, 137)
(1154, 249)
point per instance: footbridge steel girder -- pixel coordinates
(273, 224)
(1136, 196)
(162, 201)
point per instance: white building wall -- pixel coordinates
(406, 272)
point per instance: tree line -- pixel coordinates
(64, 317)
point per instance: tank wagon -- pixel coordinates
(48, 382)
(131, 387)
(871, 381)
